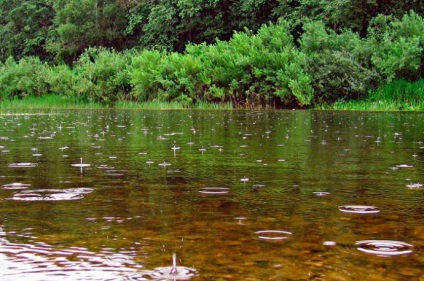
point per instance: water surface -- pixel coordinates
(237, 195)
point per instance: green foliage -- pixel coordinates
(298, 63)
(24, 27)
(23, 78)
(61, 80)
(80, 24)
(255, 69)
(162, 76)
(101, 75)
(248, 70)
(401, 92)
(398, 45)
(339, 64)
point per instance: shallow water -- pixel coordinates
(237, 195)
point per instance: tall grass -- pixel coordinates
(31, 103)
(397, 95)
(170, 105)
(401, 92)
(46, 102)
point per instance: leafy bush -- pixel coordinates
(23, 78)
(398, 46)
(339, 64)
(101, 75)
(255, 69)
(61, 80)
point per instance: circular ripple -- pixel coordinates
(384, 247)
(359, 209)
(51, 194)
(22, 165)
(404, 166)
(214, 190)
(329, 243)
(273, 235)
(16, 185)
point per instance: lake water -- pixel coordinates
(236, 195)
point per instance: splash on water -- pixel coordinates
(166, 273)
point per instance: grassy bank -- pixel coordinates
(59, 102)
(399, 95)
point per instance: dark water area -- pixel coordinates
(237, 195)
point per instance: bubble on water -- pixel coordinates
(273, 235)
(359, 209)
(329, 243)
(214, 190)
(384, 248)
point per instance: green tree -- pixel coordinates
(79, 24)
(345, 14)
(24, 27)
(171, 24)
(399, 46)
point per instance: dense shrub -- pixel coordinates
(398, 45)
(255, 69)
(339, 64)
(101, 75)
(61, 80)
(23, 78)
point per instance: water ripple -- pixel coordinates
(359, 209)
(41, 262)
(51, 194)
(384, 248)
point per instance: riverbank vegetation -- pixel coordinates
(243, 54)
